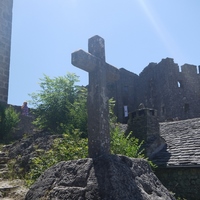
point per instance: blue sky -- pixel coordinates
(136, 32)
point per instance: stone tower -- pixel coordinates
(5, 46)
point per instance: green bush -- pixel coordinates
(70, 147)
(73, 146)
(9, 119)
(60, 105)
(121, 144)
(125, 145)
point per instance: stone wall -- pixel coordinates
(5, 44)
(143, 124)
(25, 126)
(124, 92)
(173, 92)
(184, 182)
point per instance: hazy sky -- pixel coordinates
(136, 32)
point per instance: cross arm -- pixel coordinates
(88, 62)
(83, 60)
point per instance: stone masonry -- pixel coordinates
(173, 92)
(100, 73)
(5, 45)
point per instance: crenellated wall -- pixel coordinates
(161, 86)
(5, 45)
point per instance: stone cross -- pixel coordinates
(100, 73)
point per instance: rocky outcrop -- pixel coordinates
(3, 165)
(106, 177)
(24, 127)
(10, 189)
(25, 149)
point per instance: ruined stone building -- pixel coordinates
(174, 147)
(5, 45)
(167, 93)
(173, 92)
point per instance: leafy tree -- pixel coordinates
(60, 105)
(9, 119)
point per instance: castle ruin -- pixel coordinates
(174, 93)
(5, 46)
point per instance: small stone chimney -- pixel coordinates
(145, 126)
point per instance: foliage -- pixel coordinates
(112, 116)
(125, 145)
(60, 105)
(70, 147)
(73, 146)
(78, 112)
(9, 119)
(179, 198)
(121, 144)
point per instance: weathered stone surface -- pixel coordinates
(172, 90)
(12, 189)
(143, 124)
(106, 177)
(5, 43)
(25, 149)
(100, 73)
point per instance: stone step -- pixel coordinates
(12, 189)
(6, 190)
(2, 154)
(4, 173)
(6, 147)
(2, 166)
(4, 159)
(4, 170)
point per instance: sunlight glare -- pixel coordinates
(160, 30)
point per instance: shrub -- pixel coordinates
(70, 147)
(9, 119)
(125, 145)
(60, 105)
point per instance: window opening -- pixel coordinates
(179, 84)
(125, 111)
(141, 112)
(152, 112)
